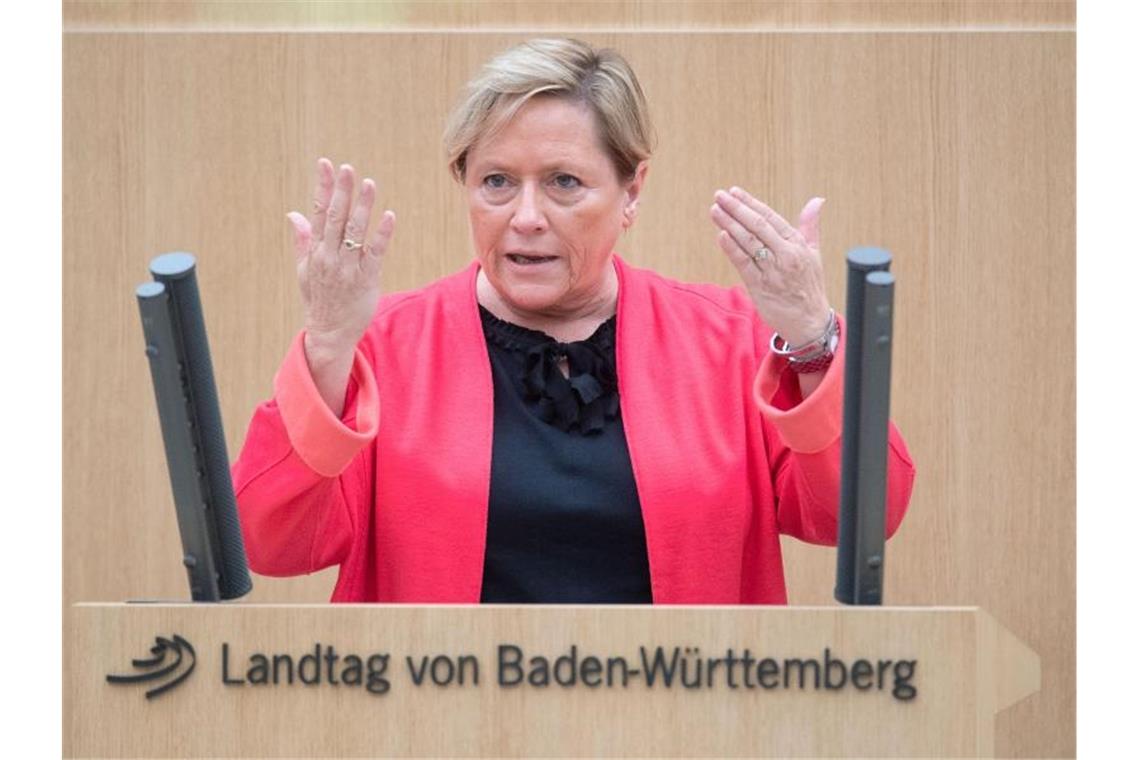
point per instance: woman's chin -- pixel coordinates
(533, 296)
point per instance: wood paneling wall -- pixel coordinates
(955, 150)
(356, 15)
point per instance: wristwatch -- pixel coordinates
(813, 356)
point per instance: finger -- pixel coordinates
(745, 264)
(774, 220)
(750, 220)
(382, 235)
(809, 221)
(302, 233)
(322, 196)
(338, 208)
(739, 233)
(357, 225)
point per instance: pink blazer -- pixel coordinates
(725, 454)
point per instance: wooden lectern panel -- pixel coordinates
(542, 681)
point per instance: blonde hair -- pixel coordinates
(562, 68)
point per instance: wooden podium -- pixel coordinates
(408, 680)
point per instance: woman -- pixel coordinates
(551, 424)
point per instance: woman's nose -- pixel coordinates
(528, 217)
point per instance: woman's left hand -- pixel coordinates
(780, 264)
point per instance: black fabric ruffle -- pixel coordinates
(583, 401)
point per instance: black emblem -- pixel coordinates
(159, 666)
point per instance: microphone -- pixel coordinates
(866, 414)
(187, 399)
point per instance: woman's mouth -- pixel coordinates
(526, 259)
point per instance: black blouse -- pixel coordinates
(564, 523)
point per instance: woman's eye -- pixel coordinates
(495, 181)
(567, 182)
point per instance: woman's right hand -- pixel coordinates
(339, 274)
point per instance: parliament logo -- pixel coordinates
(172, 663)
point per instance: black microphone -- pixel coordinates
(866, 415)
(187, 399)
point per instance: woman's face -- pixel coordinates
(546, 207)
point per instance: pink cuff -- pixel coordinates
(323, 442)
(816, 422)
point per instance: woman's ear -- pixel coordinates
(633, 194)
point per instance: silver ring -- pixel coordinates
(760, 254)
(352, 245)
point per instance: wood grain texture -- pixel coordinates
(954, 151)
(87, 15)
(950, 715)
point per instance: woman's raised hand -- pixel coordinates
(339, 274)
(338, 270)
(780, 264)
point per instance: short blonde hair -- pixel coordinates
(562, 68)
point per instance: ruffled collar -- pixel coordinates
(586, 399)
